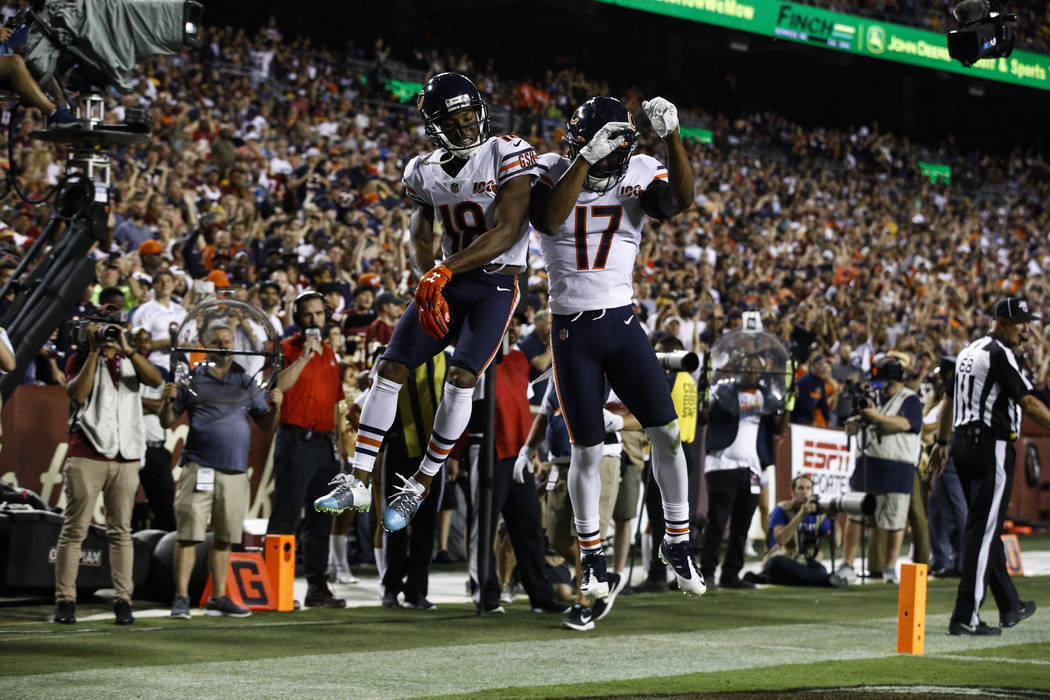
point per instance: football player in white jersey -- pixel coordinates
(592, 206)
(478, 188)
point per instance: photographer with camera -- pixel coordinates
(796, 530)
(890, 427)
(107, 440)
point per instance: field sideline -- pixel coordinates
(772, 639)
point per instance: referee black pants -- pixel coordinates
(986, 472)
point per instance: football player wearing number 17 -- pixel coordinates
(478, 188)
(592, 206)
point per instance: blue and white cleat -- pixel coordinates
(349, 492)
(594, 582)
(680, 558)
(404, 504)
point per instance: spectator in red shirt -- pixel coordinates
(304, 458)
(389, 308)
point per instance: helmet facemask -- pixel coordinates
(446, 132)
(603, 175)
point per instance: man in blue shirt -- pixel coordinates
(213, 485)
(795, 534)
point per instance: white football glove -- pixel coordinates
(662, 115)
(608, 139)
(523, 462)
(613, 422)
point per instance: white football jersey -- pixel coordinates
(590, 258)
(464, 203)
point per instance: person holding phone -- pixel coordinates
(304, 458)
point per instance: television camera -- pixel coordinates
(84, 46)
(985, 31)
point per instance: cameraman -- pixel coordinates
(888, 454)
(796, 529)
(744, 418)
(107, 439)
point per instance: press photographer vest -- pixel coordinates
(111, 418)
(891, 459)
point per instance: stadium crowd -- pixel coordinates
(275, 167)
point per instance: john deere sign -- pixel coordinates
(840, 32)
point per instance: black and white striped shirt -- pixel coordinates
(988, 385)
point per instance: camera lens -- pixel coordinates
(108, 334)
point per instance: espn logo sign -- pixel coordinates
(826, 457)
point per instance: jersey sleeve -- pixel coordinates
(651, 171)
(1007, 372)
(652, 178)
(414, 184)
(516, 157)
(551, 167)
(911, 408)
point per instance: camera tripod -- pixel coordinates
(61, 268)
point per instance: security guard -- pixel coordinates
(985, 416)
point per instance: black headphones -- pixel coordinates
(889, 370)
(305, 297)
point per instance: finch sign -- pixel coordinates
(842, 32)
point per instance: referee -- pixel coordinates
(989, 394)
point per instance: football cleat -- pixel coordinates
(349, 492)
(404, 504)
(594, 583)
(579, 619)
(680, 558)
(603, 606)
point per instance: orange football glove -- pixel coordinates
(434, 321)
(429, 289)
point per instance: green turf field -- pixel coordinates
(773, 639)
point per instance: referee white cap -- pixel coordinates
(1014, 310)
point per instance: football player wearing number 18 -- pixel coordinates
(592, 206)
(478, 188)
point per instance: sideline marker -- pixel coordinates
(1012, 548)
(911, 610)
(280, 562)
(247, 582)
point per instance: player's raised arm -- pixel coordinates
(662, 200)
(510, 208)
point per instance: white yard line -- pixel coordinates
(475, 667)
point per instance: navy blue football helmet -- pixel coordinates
(442, 96)
(588, 118)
